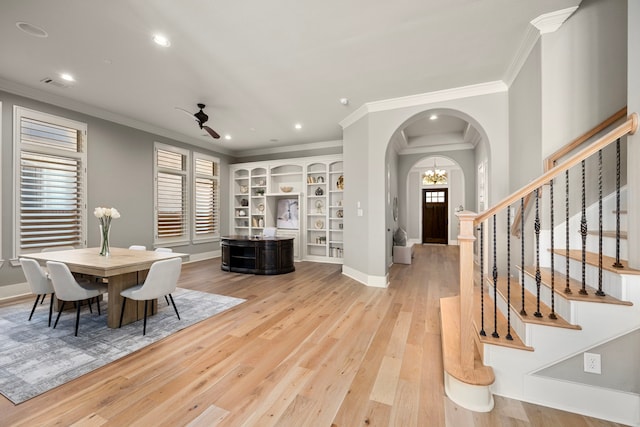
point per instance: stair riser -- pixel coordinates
(562, 306)
(608, 248)
(612, 283)
(518, 326)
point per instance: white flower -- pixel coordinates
(114, 213)
(106, 213)
(98, 212)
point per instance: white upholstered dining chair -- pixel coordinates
(38, 282)
(138, 248)
(68, 289)
(161, 281)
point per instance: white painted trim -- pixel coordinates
(438, 148)
(524, 50)
(204, 256)
(550, 22)
(14, 290)
(91, 110)
(473, 397)
(373, 281)
(425, 98)
(289, 148)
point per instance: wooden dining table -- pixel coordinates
(123, 268)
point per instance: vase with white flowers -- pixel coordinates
(105, 215)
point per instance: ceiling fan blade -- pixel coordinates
(187, 112)
(211, 132)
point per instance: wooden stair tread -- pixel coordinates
(592, 259)
(608, 233)
(516, 342)
(450, 331)
(530, 305)
(575, 286)
(622, 211)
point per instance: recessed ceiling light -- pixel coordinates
(67, 77)
(298, 126)
(344, 101)
(161, 40)
(433, 117)
(31, 29)
(227, 137)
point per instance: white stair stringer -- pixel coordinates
(600, 323)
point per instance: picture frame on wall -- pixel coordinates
(288, 215)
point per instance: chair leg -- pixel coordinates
(89, 302)
(98, 304)
(35, 304)
(50, 309)
(44, 296)
(78, 307)
(59, 313)
(124, 301)
(174, 306)
(166, 299)
(144, 324)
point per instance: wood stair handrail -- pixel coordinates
(628, 127)
(551, 160)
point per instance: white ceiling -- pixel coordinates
(260, 66)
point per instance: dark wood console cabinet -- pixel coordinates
(244, 254)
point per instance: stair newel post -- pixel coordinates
(617, 263)
(552, 315)
(599, 292)
(466, 241)
(522, 234)
(567, 289)
(482, 331)
(536, 226)
(495, 281)
(509, 337)
(583, 233)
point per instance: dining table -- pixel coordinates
(121, 269)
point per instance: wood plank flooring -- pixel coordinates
(309, 348)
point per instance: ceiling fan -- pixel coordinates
(201, 117)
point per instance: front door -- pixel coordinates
(434, 215)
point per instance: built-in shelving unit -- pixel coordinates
(301, 197)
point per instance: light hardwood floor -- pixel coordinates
(309, 348)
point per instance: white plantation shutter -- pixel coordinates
(51, 180)
(171, 196)
(206, 197)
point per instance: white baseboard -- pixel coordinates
(204, 255)
(373, 281)
(14, 290)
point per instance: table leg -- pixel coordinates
(134, 310)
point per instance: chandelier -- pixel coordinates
(434, 176)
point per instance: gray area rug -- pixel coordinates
(35, 358)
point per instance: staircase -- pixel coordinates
(535, 304)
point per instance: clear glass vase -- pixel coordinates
(104, 240)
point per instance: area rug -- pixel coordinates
(35, 358)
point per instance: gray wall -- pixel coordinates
(119, 173)
(633, 141)
(525, 123)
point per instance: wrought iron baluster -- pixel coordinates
(495, 283)
(599, 292)
(567, 289)
(583, 232)
(538, 276)
(552, 315)
(522, 234)
(618, 264)
(482, 332)
(509, 337)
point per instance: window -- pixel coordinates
(171, 194)
(50, 165)
(206, 225)
(435, 197)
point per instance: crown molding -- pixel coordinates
(524, 50)
(487, 88)
(550, 22)
(90, 110)
(288, 148)
(438, 148)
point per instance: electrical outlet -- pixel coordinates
(592, 363)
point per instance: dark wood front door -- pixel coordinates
(434, 215)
